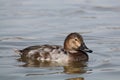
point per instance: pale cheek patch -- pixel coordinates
(71, 44)
(78, 44)
(74, 44)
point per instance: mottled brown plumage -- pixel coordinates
(74, 49)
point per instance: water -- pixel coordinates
(31, 22)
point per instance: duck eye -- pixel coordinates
(75, 39)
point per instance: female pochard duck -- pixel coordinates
(74, 49)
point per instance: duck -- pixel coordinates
(73, 49)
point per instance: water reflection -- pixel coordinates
(78, 78)
(69, 68)
(75, 67)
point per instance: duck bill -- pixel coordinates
(85, 49)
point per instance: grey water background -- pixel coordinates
(31, 22)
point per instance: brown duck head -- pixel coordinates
(74, 42)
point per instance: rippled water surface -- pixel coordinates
(31, 22)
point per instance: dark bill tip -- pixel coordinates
(84, 48)
(88, 50)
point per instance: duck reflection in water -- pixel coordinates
(74, 67)
(78, 78)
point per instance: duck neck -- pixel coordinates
(67, 47)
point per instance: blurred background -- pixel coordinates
(35, 22)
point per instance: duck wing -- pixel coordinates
(40, 52)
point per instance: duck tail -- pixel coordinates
(18, 51)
